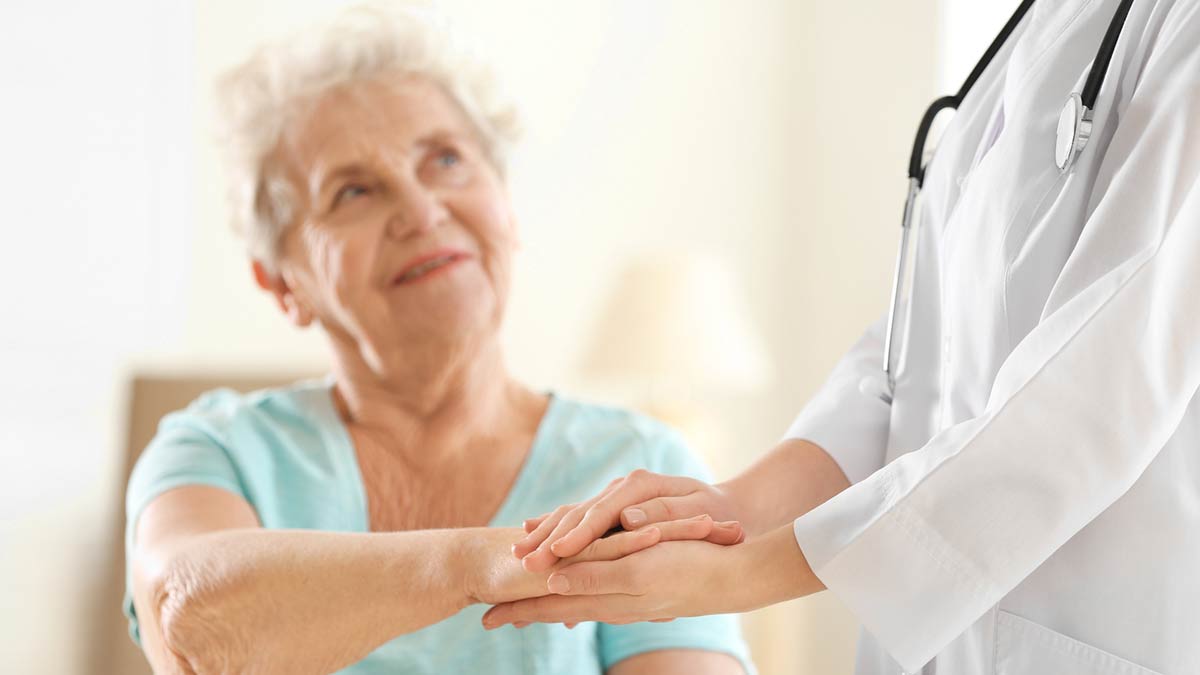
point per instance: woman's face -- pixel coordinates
(403, 233)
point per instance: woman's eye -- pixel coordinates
(349, 192)
(448, 158)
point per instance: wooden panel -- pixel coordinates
(150, 398)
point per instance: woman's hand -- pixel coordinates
(494, 576)
(669, 580)
(642, 498)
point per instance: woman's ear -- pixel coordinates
(275, 284)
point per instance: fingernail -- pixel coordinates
(555, 548)
(702, 516)
(635, 517)
(558, 583)
(727, 524)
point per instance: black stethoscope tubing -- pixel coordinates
(1091, 88)
(1074, 130)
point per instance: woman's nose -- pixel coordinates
(417, 209)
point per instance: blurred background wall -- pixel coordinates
(770, 134)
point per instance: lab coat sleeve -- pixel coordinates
(847, 418)
(922, 548)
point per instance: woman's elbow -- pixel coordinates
(196, 636)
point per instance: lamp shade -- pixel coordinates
(676, 319)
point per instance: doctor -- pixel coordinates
(1020, 492)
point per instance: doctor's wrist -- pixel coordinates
(774, 568)
(735, 504)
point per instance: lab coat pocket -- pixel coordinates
(1026, 648)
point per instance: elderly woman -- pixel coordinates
(357, 524)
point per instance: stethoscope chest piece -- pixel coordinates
(1074, 130)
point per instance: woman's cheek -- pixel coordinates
(334, 264)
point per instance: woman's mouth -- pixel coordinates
(428, 266)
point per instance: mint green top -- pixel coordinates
(287, 453)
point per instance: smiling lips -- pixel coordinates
(427, 266)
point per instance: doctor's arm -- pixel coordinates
(670, 580)
(922, 547)
(1079, 409)
(791, 479)
(837, 440)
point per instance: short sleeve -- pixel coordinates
(183, 452)
(668, 453)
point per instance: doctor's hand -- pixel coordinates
(669, 580)
(642, 498)
(492, 576)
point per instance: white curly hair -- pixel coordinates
(258, 98)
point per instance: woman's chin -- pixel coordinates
(445, 308)
(447, 318)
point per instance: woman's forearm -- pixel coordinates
(267, 601)
(792, 479)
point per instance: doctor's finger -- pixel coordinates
(639, 486)
(537, 529)
(627, 543)
(544, 556)
(703, 527)
(727, 533)
(619, 545)
(662, 509)
(699, 527)
(531, 541)
(595, 578)
(556, 609)
(531, 524)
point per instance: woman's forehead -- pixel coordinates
(369, 117)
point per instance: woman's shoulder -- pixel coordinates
(293, 428)
(610, 433)
(226, 414)
(589, 418)
(277, 448)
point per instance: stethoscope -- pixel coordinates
(1074, 130)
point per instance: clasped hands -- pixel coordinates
(674, 558)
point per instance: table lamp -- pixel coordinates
(675, 327)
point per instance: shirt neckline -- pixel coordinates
(341, 448)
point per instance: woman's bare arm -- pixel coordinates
(216, 593)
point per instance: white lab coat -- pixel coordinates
(1031, 501)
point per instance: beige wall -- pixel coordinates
(774, 132)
